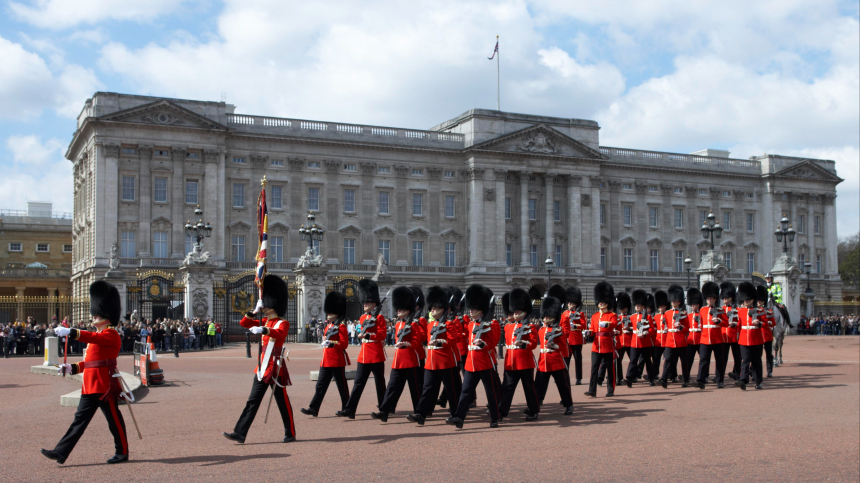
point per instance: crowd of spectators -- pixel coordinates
(316, 331)
(829, 325)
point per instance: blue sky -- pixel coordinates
(772, 76)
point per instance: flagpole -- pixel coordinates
(498, 93)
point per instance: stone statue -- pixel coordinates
(114, 257)
(381, 266)
(309, 259)
(196, 256)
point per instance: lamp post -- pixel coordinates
(198, 230)
(312, 232)
(784, 233)
(548, 264)
(688, 264)
(710, 228)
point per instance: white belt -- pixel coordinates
(674, 330)
(575, 330)
(512, 347)
(546, 351)
(661, 331)
(750, 327)
(433, 347)
(695, 330)
(709, 326)
(474, 348)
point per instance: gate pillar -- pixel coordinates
(787, 273)
(712, 269)
(199, 280)
(310, 282)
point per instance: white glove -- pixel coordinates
(603, 325)
(256, 330)
(326, 344)
(64, 368)
(259, 306)
(62, 331)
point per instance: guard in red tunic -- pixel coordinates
(455, 324)
(560, 293)
(271, 369)
(371, 358)
(694, 336)
(551, 362)
(728, 294)
(675, 325)
(750, 338)
(408, 336)
(101, 387)
(714, 319)
(422, 321)
(641, 342)
(520, 342)
(483, 337)
(576, 320)
(763, 298)
(623, 342)
(661, 304)
(604, 325)
(334, 359)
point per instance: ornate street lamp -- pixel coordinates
(312, 232)
(198, 230)
(710, 228)
(807, 267)
(548, 264)
(688, 265)
(784, 233)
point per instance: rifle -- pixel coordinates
(332, 331)
(641, 328)
(482, 327)
(372, 320)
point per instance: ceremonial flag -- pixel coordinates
(495, 51)
(263, 227)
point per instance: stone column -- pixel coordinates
(177, 193)
(498, 237)
(810, 303)
(595, 222)
(574, 222)
(787, 274)
(830, 238)
(144, 216)
(766, 225)
(476, 215)
(311, 284)
(107, 201)
(549, 180)
(199, 283)
(209, 192)
(524, 218)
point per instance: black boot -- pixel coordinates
(118, 458)
(381, 415)
(53, 455)
(234, 437)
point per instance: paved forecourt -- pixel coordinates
(805, 425)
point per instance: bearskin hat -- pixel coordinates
(335, 304)
(403, 298)
(746, 291)
(506, 304)
(622, 301)
(551, 307)
(694, 297)
(651, 304)
(437, 297)
(676, 293)
(558, 292)
(520, 301)
(761, 294)
(639, 297)
(419, 296)
(105, 301)
(535, 293)
(710, 289)
(604, 293)
(275, 294)
(574, 296)
(661, 299)
(368, 292)
(727, 291)
(478, 298)
(457, 296)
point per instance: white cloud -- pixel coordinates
(60, 14)
(37, 171)
(31, 151)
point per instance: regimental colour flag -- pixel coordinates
(263, 227)
(495, 51)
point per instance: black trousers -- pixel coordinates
(362, 372)
(258, 393)
(705, 351)
(396, 382)
(736, 355)
(602, 361)
(687, 362)
(642, 356)
(671, 356)
(751, 356)
(768, 353)
(619, 367)
(86, 410)
(325, 376)
(576, 354)
(562, 381)
(509, 386)
(430, 392)
(470, 383)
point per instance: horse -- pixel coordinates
(783, 323)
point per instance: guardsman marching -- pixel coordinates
(560, 293)
(520, 342)
(694, 337)
(422, 321)
(661, 302)
(576, 318)
(334, 359)
(271, 368)
(750, 338)
(675, 340)
(483, 336)
(100, 388)
(762, 297)
(408, 335)
(455, 324)
(604, 325)
(728, 294)
(551, 362)
(641, 344)
(371, 357)
(625, 338)
(713, 340)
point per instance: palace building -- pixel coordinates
(485, 197)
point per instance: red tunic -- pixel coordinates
(656, 336)
(675, 337)
(101, 346)
(750, 331)
(565, 332)
(480, 358)
(462, 339)
(637, 341)
(730, 332)
(550, 360)
(625, 338)
(604, 337)
(373, 348)
(694, 322)
(712, 326)
(767, 329)
(335, 356)
(276, 331)
(577, 325)
(408, 356)
(442, 356)
(520, 358)
(660, 336)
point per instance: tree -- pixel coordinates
(848, 258)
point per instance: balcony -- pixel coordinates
(36, 273)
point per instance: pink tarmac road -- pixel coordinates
(803, 426)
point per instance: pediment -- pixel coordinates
(751, 246)
(703, 244)
(350, 230)
(451, 234)
(654, 242)
(162, 219)
(163, 113)
(239, 225)
(604, 240)
(629, 239)
(679, 243)
(419, 233)
(385, 232)
(808, 170)
(540, 140)
(728, 245)
(278, 226)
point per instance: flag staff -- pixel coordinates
(498, 93)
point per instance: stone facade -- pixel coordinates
(35, 259)
(479, 198)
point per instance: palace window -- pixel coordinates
(507, 208)
(603, 258)
(129, 151)
(652, 217)
(349, 201)
(16, 247)
(532, 209)
(417, 172)
(679, 260)
(818, 264)
(314, 164)
(558, 259)
(417, 253)
(626, 186)
(556, 210)
(383, 170)
(159, 244)
(750, 262)
(126, 246)
(652, 189)
(628, 215)
(238, 248)
(628, 259)
(509, 254)
(277, 162)
(191, 191)
(383, 202)
(160, 190)
(602, 214)
(277, 200)
(727, 256)
(313, 199)
(449, 206)
(349, 167)
(655, 260)
(67, 248)
(449, 174)
(385, 250)
(750, 222)
(189, 242)
(450, 254)
(239, 161)
(238, 195)
(349, 251)
(128, 188)
(679, 218)
(816, 224)
(533, 255)
(417, 204)
(277, 249)
(42, 248)
(801, 223)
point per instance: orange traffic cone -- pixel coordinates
(156, 375)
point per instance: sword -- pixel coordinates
(126, 395)
(66, 355)
(269, 407)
